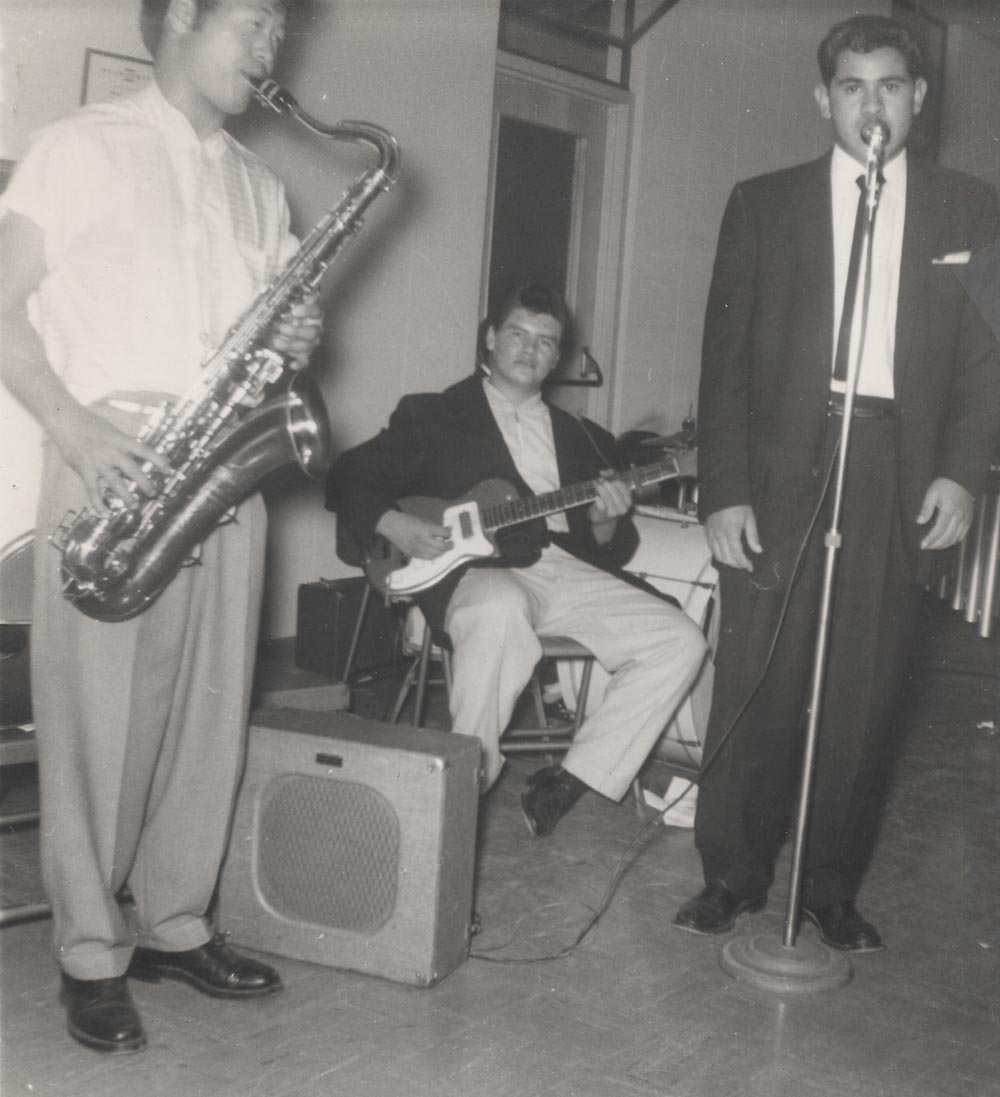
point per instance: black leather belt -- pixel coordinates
(864, 407)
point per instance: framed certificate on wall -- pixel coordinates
(109, 75)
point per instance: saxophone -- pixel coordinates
(231, 428)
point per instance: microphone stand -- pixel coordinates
(832, 541)
(793, 967)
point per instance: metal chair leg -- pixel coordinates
(352, 651)
(409, 680)
(583, 694)
(422, 674)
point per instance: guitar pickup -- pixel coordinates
(465, 525)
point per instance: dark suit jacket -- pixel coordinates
(442, 445)
(981, 279)
(767, 352)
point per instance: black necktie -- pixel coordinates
(851, 289)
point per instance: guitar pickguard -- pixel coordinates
(474, 519)
(470, 542)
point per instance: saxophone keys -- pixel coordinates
(270, 365)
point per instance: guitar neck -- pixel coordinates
(578, 495)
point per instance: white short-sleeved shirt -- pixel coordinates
(155, 242)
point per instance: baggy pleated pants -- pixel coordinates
(753, 750)
(650, 648)
(140, 727)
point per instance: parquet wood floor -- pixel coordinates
(637, 1009)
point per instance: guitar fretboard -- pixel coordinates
(551, 502)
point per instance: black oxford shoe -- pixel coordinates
(214, 969)
(100, 1014)
(549, 794)
(715, 908)
(842, 927)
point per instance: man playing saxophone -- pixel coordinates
(133, 234)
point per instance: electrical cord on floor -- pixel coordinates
(625, 859)
(619, 871)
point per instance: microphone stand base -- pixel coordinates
(764, 961)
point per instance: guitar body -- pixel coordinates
(474, 519)
(396, 575)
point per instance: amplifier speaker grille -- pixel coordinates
(328, 853)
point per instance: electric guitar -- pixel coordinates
(491, 505)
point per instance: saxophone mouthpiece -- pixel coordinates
(272, 95)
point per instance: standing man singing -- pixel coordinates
(924, 427)
(133, 234)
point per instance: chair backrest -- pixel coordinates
(17, 580)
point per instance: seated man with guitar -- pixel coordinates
(502, 552)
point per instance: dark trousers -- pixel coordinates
(748, 795)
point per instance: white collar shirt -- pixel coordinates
(527, 430)
(875, 375)
(155, 242)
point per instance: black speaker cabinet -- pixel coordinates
(327, 616)
(353, 845)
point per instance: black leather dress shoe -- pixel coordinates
(100, 1014)
(548, 795)
(214, 969)
(842, 927)
(715, 908)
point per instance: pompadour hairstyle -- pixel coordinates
(538, 299)
(863, 34)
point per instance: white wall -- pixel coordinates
(42, 45)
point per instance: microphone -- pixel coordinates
(876, 136)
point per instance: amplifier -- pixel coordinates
(353, 845)
(328, 611)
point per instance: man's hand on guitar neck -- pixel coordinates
(414, 536)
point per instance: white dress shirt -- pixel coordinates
(527, 430)
(875, 377)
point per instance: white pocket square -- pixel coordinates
(953, 258)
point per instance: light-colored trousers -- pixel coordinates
(140, 727)
(651, 650)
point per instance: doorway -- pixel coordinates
(557, 201)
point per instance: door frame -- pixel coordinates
(617, 107)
